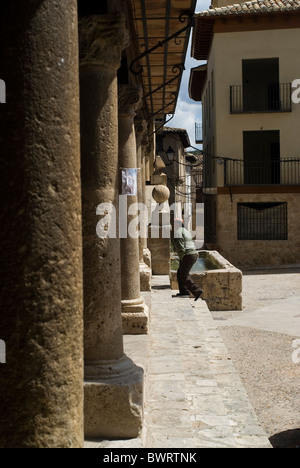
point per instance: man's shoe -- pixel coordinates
(183, 295)
(199, 294)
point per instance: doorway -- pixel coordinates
(262, 157)
(261, 91)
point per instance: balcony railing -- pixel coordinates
(273, 97)
(279, 172)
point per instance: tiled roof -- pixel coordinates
(255, 7)
(183, 135)
(204, 27)
(173, 130)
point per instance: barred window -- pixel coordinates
(262, 221)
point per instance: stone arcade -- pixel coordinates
(69, 125)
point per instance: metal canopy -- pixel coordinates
(160, 61)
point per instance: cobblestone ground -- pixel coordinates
(263, 358)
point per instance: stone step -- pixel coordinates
(193, 395)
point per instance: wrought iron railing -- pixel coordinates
(276, 172)
(272, 97)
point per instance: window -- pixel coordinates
(261, 157)
(261, 84)
(261, 90)
(262, 221)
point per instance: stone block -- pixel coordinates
(160, 255)
(147, 257)
(145, 277)
(114, 403)
(135, 323)
(135, 316)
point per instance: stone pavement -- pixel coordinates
(281, 316)
(193, 395)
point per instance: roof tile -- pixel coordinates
(256, 6)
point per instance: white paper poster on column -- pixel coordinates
(129, 181)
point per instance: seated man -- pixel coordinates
(185, 248)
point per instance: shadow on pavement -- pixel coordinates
(270, 271)
(286, 439)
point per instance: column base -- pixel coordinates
(135, 317)
(145, 277)
(113, 399)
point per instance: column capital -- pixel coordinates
(102, 38)
(141, 125)
(130, 99)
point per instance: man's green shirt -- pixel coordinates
(183, 243)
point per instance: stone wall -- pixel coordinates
(257, 253)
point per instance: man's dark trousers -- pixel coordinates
(185, 282)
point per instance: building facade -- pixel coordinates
(250, 129)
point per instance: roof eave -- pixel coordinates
(197, 82)
(204, 24)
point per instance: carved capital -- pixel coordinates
(130, 99)
(140, 126)
(102, 38)
(141, 131)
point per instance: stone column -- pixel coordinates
(41, 391)
(146, 251)
(145, 270)
(134, 309)
(159, 232)
(113, 384)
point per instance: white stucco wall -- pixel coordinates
(225, 134)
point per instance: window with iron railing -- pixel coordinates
(276, 172)
(272, 97)
(262, 221)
